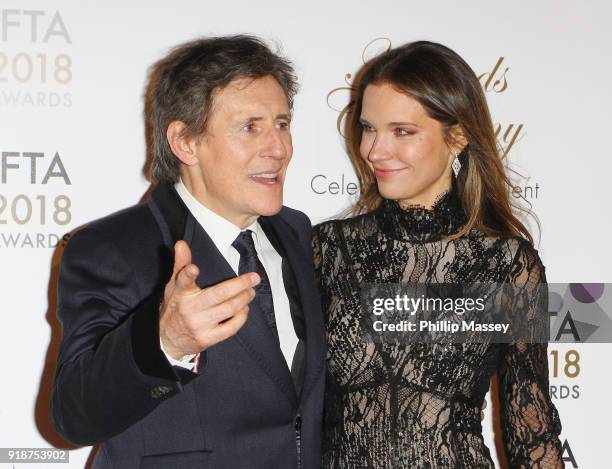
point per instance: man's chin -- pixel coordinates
(268, 210)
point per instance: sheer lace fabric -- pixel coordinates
(418, 406)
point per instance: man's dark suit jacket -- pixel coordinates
(114, 386)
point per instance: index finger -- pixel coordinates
(223, 291)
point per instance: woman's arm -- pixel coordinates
(530, 421)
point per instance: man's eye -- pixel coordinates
(283, 125)
(249, 127)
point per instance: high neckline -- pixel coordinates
(416, 223)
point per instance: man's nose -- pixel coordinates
(276, 143)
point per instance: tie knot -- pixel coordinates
(244, 243)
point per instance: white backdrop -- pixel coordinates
(72, 75)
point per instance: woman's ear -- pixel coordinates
(181, 144)
(457, 139)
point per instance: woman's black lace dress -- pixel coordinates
(418, 406)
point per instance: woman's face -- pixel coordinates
(404, 147)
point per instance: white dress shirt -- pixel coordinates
(223, 233)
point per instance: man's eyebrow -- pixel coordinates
(251, 119)
(259, 118)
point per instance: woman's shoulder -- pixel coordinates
(513, 244)
(523, 257)
(358, 225)
(514, 254)
(527, 264)
(520, 248)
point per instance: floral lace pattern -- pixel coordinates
(418, 406)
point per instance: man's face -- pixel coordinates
(244, 152)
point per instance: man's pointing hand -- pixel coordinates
(193, 319)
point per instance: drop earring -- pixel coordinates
(456, 165)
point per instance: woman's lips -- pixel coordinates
(383, 173)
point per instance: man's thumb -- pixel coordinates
(182, 256)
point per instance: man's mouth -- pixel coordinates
(268, 179)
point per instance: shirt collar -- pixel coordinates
(222, 232)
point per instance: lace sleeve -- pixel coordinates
(530, 421)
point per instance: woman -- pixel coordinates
(434, 208)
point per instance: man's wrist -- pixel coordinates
(185, 361)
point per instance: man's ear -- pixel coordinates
(182, 145)
(457, 139)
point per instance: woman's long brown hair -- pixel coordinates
(445, 85)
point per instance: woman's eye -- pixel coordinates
(367, 127)
(401, 132)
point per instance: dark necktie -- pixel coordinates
(249, 262)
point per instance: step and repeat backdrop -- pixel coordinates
(72, 146)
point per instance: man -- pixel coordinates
(169, 359)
